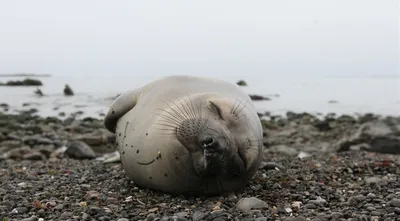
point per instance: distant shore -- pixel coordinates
(25, 75)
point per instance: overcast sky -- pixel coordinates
(125, 37)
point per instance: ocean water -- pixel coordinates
(352, 95)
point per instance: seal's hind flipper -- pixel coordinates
(121, 105)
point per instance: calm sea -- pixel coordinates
(350, 95)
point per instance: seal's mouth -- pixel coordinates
(211, 147)
(211, 153)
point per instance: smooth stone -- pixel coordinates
(247, 204)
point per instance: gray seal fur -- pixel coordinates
(187, 135)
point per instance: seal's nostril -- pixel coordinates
(208, 141)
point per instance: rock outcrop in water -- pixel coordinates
(39, 92)
(68, 90)
(25, 82)
(255, 97)
(241, 83)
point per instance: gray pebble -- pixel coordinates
(151, 216)
(93, 210)
(336, 215)
(41, 213)
(371, 196)
(397, 210)
(123, 219)
(165, 218)
(310, 206)
(177, 218)
(124, 191)
(247, 204)
(368, 205)
(371, 208)
(33, 156)
(283, 150)
(65, 215)
(182, 214)
(299, 218)
(395, 202)
(271, 166)
(20, 210)
(390, 196)
(374, 181)
(352, 201)
(360, 198)
(85, 216)
(363, 218)
(379, 201)
(375, 213)
(79, 150)
(197, 216)
(318, 201)
(59, 207)
(33, 218)
(104, 218)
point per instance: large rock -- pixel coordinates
(79, 150)
(256, 97)
(241, 83)
(25, 82)
(68, 90)
(101, 141)
(251, 203)
(375, 136)
(36, 140)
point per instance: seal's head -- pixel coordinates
(222, 135)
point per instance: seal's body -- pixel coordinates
(186, 134)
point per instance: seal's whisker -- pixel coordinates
(169, 126)
(182, 113)
(199, 112)
(178, 115)
(215, 131)
(164, 127)
(169, 118)
(233, 106)
(183, 109)
(191, 111)
(164, 133)
(170, 122)
(168, 115)
(237, 107)
(167, 123)
(195, 115)
(240, 110)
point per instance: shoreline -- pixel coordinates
(98, 110)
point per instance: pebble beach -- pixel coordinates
(331, 167)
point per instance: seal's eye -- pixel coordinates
(216, 109)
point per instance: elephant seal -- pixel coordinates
(187, 135)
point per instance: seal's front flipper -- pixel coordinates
(121, 105)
